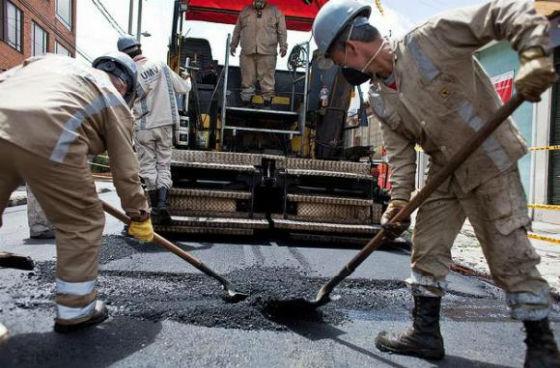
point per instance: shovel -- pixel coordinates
(230, 294)
(323, 296)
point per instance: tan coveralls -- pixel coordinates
(443, 96)
(53, 112)
(260, 38)
(155, 111)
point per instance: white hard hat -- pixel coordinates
(332, 19)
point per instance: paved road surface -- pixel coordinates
(165, 314)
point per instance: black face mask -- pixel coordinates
(355, 77)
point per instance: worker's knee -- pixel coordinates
(512, 257)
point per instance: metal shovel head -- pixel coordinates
(232, 296)
(10, 260)
(299, 305)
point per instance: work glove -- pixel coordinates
(395, 230)
(283, 52)
(185, 75)
(141, 230)
(536, 74)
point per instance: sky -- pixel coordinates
(96, 36)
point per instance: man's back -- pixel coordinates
(56, 107)
(156, 104)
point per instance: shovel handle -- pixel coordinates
(471, 145)
(158, 239)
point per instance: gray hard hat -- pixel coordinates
(332, 19)
(121, 66)
(127, 42)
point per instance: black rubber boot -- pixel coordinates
(43, 235)
(423, 339)
(542, 351)
(100, 314)
(154, 200)
(163, 213)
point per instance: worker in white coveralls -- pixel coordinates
(260, 28)
(156, 112)
(54, 111)
(39, 226)
(427, 89)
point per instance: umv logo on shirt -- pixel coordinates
(150, 73)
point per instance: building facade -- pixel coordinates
(538, 123)
(35, 27)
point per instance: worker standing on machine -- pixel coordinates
(427, 89)
(156, 112)
(260, 28)
(54, 111)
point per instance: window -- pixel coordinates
(40, 41)
(2, 23)
(61, 50)
(554, 156)
(64, 12)
(14, 26)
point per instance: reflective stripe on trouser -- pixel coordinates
(74, 300)
(67, 195)
(153, 147)
(36, 218)
(497, 211)
(257, 67)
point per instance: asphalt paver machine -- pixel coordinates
(243, 168)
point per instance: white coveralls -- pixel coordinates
(155, 112)
(443, 96)
(36, 218)
(54, 111)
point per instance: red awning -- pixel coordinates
(299, 15)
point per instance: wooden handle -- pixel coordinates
(158, 239)
(471, 145)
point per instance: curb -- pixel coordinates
(20, 200)
(467, 271)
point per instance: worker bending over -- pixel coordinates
(54, 111)
(427, 89)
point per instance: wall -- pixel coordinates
(499, 59)
(42, 12)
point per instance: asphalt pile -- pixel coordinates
(198, 300)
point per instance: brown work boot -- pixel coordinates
(423, 339)
(98, 315)
(542, 351)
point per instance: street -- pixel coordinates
(164, 313)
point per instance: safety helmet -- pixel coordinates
(127, 42)
(121, 66)
(332, 19)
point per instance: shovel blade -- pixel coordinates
(231, 296)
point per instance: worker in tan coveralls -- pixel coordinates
(427, 89)
(261, 28)
(155, 111)
(54, 111)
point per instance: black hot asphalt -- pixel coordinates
(165, 313)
